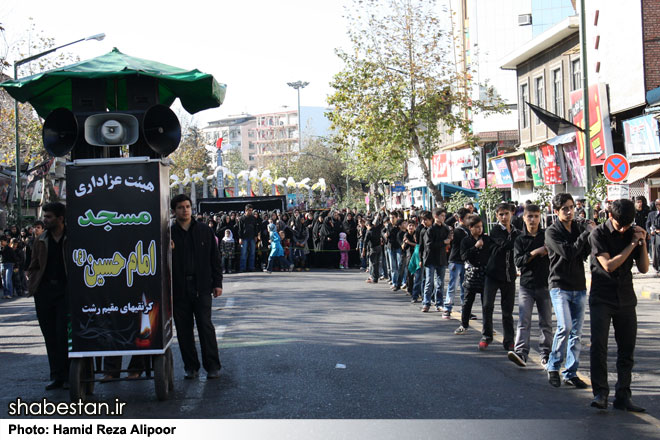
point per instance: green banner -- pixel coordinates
(530, 158)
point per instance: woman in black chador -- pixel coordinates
(328, 244)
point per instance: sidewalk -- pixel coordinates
(647, 285)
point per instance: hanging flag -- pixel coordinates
(555, 123)
(229, 192)
(218, 144)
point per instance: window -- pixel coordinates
(539, 92)
(251, 158)
(251, 145)
(524, 109)
(576, 74)
(557, 93)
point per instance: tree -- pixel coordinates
(34, 41)
(233, 159)
(400, 89)
(191, 153)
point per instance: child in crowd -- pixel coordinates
(344, 247)
(276, 250)
(475, 251)
(227, 250)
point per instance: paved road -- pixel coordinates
(325, 345)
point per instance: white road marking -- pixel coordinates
(219, 331)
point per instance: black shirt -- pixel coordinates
(567, 252)
(55, 273)
(455, 253)
(433, 249)
(533, 272)
(613, 288)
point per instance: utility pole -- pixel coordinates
(585, 102)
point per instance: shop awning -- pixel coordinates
(447, 189)
(562, 139)
(640, 172)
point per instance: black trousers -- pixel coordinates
(52, 310)
(466, 311)
(507, 300)
(189, 309)
(624, 320)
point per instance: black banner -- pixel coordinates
(119, 280)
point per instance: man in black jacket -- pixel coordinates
(531, 256)
(456, 264)
(653, 228)
(568, 247)
(500, 275)
(248, 229)
(612, 299)
(196, 275)
(434, 257)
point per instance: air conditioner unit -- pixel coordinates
(524, 19)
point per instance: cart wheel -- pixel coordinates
(81, 369)
(170, 369)
(161, 380)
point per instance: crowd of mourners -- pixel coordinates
(413, 250)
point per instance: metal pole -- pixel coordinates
(299, 126)
(17, 187)
(585, 102)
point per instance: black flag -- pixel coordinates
(555, 123)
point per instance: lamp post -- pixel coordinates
(17, 187)
(299, 85)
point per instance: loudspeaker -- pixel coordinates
(161, 129)
(111, 129)
(60, 132)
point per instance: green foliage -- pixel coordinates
(542, 196)
(399, 86)
(598, 191)
(233, 160)
(191, 153)
(456, 201)
(33, 41)
(489, 197)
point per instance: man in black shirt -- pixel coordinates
(531, 257)
(568, 247)
(196, 274)
(47, 283)
(615, 244)
(433, 255)
(500, 275)
(456, 264)
(248, 229)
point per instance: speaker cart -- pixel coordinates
(119, 279)
(111, 114)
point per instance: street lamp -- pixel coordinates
(299, 85)
(17, 187)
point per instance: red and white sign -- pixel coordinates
(518, 168)
(616, 168)
(551, 170)
(440, 167)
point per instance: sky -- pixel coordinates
(254, 47)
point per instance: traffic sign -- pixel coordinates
(617, 192)
(616, 168)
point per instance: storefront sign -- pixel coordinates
(574, 167)
(440, 167)
(550, 166)
(641, 137)
(518, 168)
(502, 173)
(599, 120)
(532, 161)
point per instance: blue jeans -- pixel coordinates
(363, 260)
(395, 262)
(456, 276)
(569, 308)
(247, 254)
(434, 285)
(7, 277)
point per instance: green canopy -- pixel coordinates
(49, 90)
